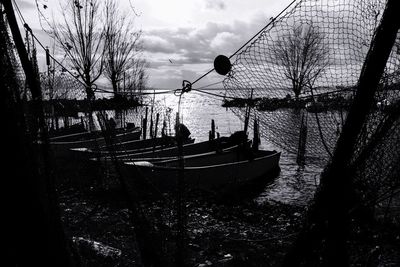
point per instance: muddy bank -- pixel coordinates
(219, 232)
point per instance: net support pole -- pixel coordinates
(144, 124)
(156, 125)
(35, 187)
(248, 111)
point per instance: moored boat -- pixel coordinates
(164, 147)
(129, 147)
(62, 145)
(209, 172)
(85, 135)
(73, 129)
(189, 148)
(67, 164)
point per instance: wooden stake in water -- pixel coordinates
(145, 123)
(156, 125)
(151, 116)
(248, 111)
(177, 124)
(151, 133)
(301, 151)
(212, 132)
(256, 135)
(163, 129)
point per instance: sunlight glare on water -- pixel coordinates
(294, 185)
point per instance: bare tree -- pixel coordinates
(137, 77)
(122, 43)
(303, 55)
(80, 35)
(58, 85)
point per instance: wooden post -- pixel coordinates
(156, 125)
(151, 132)
(145, 124)
(151, 115)
(212, 134)
(301, 149)
(256, 135)
(163, 130)
(177, 124)
(247, 113)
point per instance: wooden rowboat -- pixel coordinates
(202, 148)
(68, 165)
(61, 145)
(210, 172)
(73, 129)
(86, 135)
(172, 151)
(156, 148)
(129, 147)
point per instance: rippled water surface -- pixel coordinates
(294, 185)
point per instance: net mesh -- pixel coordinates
(301, 73)
(308, 61)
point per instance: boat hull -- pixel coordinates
(62, 147)
(214, 177)
(66, 162)
(121, 151)
(205, 148)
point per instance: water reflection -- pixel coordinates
(294, 184)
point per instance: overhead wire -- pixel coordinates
(271, 22)
(213, 94)
(202, 89)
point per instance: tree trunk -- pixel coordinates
(114, 83)
(296, 89)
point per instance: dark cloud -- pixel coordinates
(192, 50)
(155, 44)
(195, 46)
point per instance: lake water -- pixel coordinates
(294, 185)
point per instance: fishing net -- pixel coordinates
(306, 63)
(301, 73)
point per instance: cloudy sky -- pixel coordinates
(181, 37)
